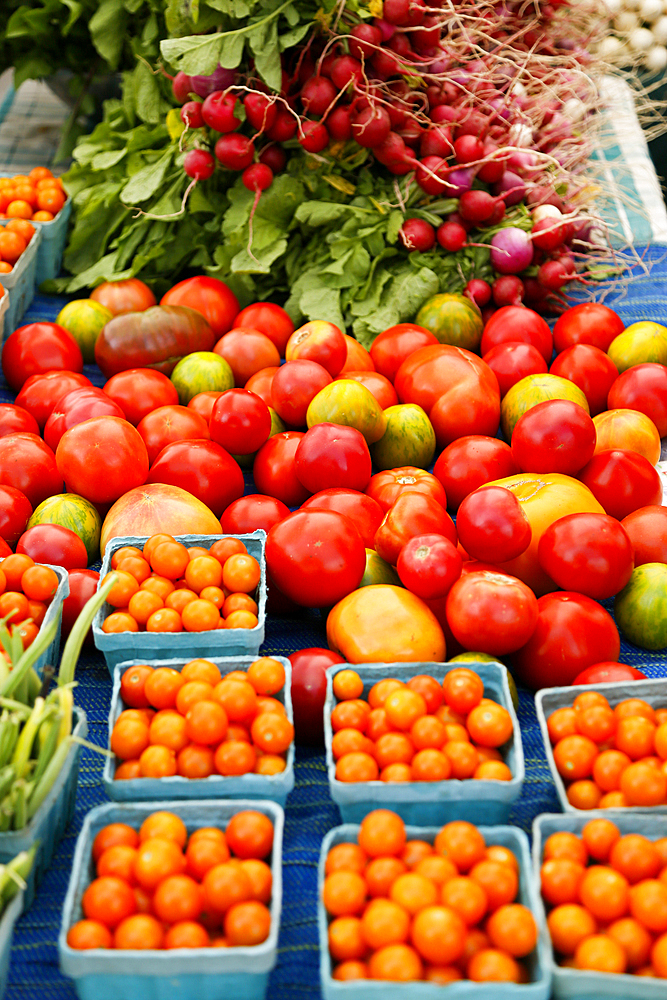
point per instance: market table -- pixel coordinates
(310, 812)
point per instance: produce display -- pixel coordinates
(438, 910)
(195, 722)
(166, 587)
(37, 196)
(607, 897)
(419, 731)
(164, 887)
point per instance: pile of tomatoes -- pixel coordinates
(167, 587)
(38, 196)
(610, 758)
(194, 722)
(26, 590)
(608, 895)
(166, 887)
(445, 910)
(419, 731)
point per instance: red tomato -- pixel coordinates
(309, 688)
(102, 458)
(294, 385)
(391, 347)
(170, 423)
(15, 511)
(588, 323)
(14, 418)
(209, 296)
(321, 342)
(517, 323)
(412, 514)
(589, 368)
(251, 512)
(513, 360)
(203, 468)
(556, 435)
(261, 383)
(458, 391)
(240, 421)
(82, 586)
(247, 352)
(646, 528)
(41, 392)
(274, 469)
(386, 487)
(380, 386)
(75, 407)
(127, 296)
(491, 612)
(572, 632)
(55, 544)
(358, 359)
(4, 549)
(429, 565)
(366, 513)
(28, 464)
(39, 347)
(471, 462)
(331, 455)
(269, 319)
(203, 403)
(622, 481)
(609, 673)
(589, 553)
(491, 525)
(643, 388)
(316, 556)
(140, 390)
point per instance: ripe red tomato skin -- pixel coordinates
(609, 673)
(269, 319)
(261, 383)
(644, 388)
(140, 390)
(75, 407)
(209, 296)
(572, 632)
(27, 463)
(316, 556)
(589, 368)
(131, 295)
(492, 526)
(391, 347)
(54, 544)
(587, 323)
(170, 423)
(429, 565)
(470, 462)
(412, 514)
(376, 383)
(517, 323)
(556, 435)
(647, 529)
(386, 487)
(240, 421)
(330, 455)
(15, 511)
(513, 360)
(102, 458)
(4, 549)
(14, 418)
(321, 342)
(40, 393)
(491, 612)
(82, 586)
(203, 468)
(39, 347)
(274, 469)
(366, 513)
(591, 552)
(622, 481)
(294, 385)
(251, 512)
(309, 687)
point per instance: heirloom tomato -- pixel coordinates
(380, 386)
(102, 458)
(261, 383)
(15, 511)
(318, 341)
(366, 513)
(554, 436)
(309, 688)
(274, 470)
(428, 565)
(516, 323)
(491, 612)
(350, 404)
(622, 481)
(37, 348)
(140, 390)
(251, 512)
(75, 407)
(412, 514)
(386, 487)
(587, 552)
(28, 464)
(14, 418)
(127, 296)
(590, 369)
(646, 528)
(609, 673)
(240, 421)
(357, 359)
(208, 296)
(391, 347)
(170, 423)
(471, 462)
(54, 544)
(203, 468)
(247, 352)
(628, 430)
(492, 525)
(332, 455)
(587, 323)
(269, 319)
(511, 361)
(82, 586)
(40, 393)
(293, 387)
(644, 388)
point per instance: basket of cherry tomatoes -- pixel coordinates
(201, 728)
(174, 899)
(432, 741)
(404, 911)
(20, 240)
(193, 595)
(40, 199)
(607, 750)
(604, 884)
(31, 599)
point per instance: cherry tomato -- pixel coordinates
(366, 513)
(39, 347)
(209, 296)
(204, 469)
(140, 390)
(587, 552)
(622, 481)
(470, 462)
(330, 456)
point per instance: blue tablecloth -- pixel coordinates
(34, 973)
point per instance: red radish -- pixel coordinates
(478, 206)
(468, 148)
(386, 64)
(417, 234)
(444, 113)
(371, 127)
(491, 171)
(218, 112)
(257, 177)
(365, 40)
(284, 127)
(427, 36)
(553, 274)
(181, 86)
(339, 123)
(400, 44)
(479, 291)
(547, 234)
(385, 28)
(199, 164)
(261, 111)
(395, 155)
(396, 12)
(191, 114)
(314, 137)
(451, 236)
(508, 290)
(274, 156)
(511, 187)
(235, 151)
(317, 94)
(436, 141)
(431, 175)
(346, 70)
